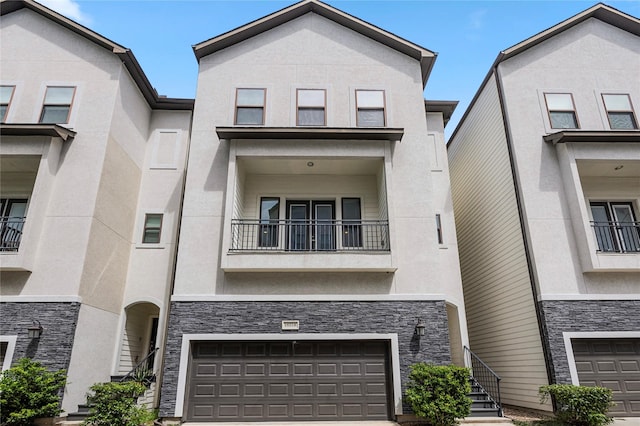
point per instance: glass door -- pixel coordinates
(13, 212)
(298, 229)
(626, 227)
(323, 233)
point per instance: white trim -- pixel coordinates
(307, 297)
(41, 298)
(188, 338)
(567, 336)
(11, 346)
(608, 296)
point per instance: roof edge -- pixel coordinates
(593, 136)
(333, 133)
(445, 107)
(38, 129)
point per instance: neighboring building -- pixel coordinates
(91, 167)
(545, 171)
(317, 229)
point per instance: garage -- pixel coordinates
(611, 363)
(288, 381)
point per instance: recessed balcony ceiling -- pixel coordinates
(310, 166)
(609, 168)
(19, 163)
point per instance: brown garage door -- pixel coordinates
(276, 381)
(611, 363)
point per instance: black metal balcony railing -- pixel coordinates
(309, 235)
(617, 237)
(10, 232)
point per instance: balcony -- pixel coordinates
(617, 237)
(10, 232)
(309, 235)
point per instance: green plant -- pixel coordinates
(28, 391)
(439, 393)
(579, 405)
(114, 404)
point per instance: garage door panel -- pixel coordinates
(632, 386)
(630, 366)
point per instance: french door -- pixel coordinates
(311, 225)
(12, 214)
(615, 227)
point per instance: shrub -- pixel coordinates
(579, 405)
(114, 404)
(439, 393)
(28, 391)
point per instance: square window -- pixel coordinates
(152, 228)
(562, 112)
(619, 111)
(6, 94)
(250, 106)
(370, 108)
(57, 105)
(311, 107)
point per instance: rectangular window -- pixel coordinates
(615, 226)
(6, 94)
(439, 229)
(269, 221)
(311, 107)
(57, 105)
(562, 112)
(250, 106)
(351, 223)
(152, 228)
(370, 108)
(619, 111)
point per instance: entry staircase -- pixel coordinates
(485, 387)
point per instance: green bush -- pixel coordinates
(579, 405)
(114, 404)
(439, 393)
(28, 391)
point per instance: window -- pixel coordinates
(562, 113)
(250, 106)
(351, 223)
(6, 93)
(619, 111)
(370, 108)
(439, 229)
(615, 226)
(311, 107)
(152, 228)
(57, 105)
(12, 217)
(269, 221)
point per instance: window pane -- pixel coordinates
(617, 102)
(311, 117)
(351, 229)
(152, 227)
(270, 209)
(563, 120)
(602, 227)
(371, 118)
(311, 98)
(370, 98)
(153, 221)
(151, 236)
(5, 94)
(559, 101)
(622, 120)
(269, 213)
(351, 208)
(250, 97)
(55, 114)
(249, 116)
(3, 111)
(59, 95)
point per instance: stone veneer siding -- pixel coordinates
(583, 316)
(59, 319)
(315, 317)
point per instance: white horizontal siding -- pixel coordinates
(500, 307)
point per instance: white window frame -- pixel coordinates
(11, 347)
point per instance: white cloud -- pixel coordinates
(68, 8)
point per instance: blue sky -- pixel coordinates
(467, 35)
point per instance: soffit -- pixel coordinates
(595, 136)
(52, 130)
(326, 133)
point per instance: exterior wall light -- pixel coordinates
(420, 328)
(35, 330)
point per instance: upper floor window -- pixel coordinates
(6, 94)
(370, 108)
(57, 105)
(619, 111)
(250, 106)
(311, 107)
(562, 112)
(152, 228)
(13, 212)
(615, 226)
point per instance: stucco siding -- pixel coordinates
(498, 296)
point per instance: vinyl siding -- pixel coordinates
(502, 321)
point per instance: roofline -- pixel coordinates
(29, 129)
(593, 136)
(333, 133)
(425, 56)
(599, 11)
(445, 107)
(125, 54)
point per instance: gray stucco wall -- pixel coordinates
(58, 319)
(583, 316)
(315, 317)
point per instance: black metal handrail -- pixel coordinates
(10, 232)
(143, 371)
(293, 235)
(617, 237)
(484, 377)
